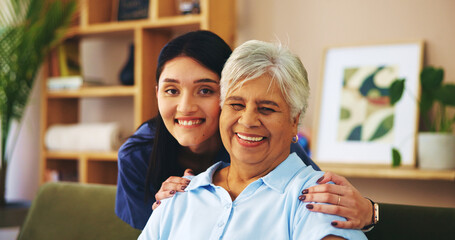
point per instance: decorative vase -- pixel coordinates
(436, 150)
(127, 72)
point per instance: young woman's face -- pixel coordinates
(255, 123)
(188, 100)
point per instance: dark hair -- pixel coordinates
(210, 51)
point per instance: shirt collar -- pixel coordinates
(279, 178)
(205, 178)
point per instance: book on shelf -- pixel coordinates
(64, 60)
(68, 58)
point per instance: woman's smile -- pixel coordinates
(189, 123)
(249, 140)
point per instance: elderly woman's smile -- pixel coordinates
(255, 122)
(249, 139)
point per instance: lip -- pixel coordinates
(249, 140)
(189, 122)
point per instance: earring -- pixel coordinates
(295, 139)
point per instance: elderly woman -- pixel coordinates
(264, 93)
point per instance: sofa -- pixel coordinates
(86, 211)
(75, 211)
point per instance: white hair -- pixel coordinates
(255, 58)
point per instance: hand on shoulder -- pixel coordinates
(343, 198)
(172, 185)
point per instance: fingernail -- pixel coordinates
(183, 187)
(158, 202)
(172, 192)
(320, 179)
(302, 197)
(309, 206)
(305, 191)
(334, 223)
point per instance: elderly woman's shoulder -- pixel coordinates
(305, 178)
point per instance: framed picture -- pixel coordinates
(355, 122)
(131, 9)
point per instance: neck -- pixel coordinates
(198, 159)
(236, 177)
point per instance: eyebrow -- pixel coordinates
(268, 102)
(203, 80)
(207, 80)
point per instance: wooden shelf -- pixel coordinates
(99, 156)
(99, 91)
(403, 172)
(130, 26)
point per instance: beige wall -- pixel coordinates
(309, 26)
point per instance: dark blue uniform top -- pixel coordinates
(133, 159)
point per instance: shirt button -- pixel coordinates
(227, 206)
(220, 224)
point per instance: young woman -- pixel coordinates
(185, 135)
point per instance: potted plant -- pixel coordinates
(28, 30)
(436, 141)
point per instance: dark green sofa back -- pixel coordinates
(414, 222)
(75, 211)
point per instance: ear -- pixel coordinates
(156, 91)
(295, 124)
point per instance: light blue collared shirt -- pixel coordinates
(268, 208)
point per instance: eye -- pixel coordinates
(206, 91)
(266, 110)
(237, 106)
(171, 91)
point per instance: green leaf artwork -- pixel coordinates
(396, 90)
(396, 157)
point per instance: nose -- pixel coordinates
(187, 104)
(249, 118)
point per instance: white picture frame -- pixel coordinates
(352, 122)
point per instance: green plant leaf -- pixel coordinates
(27, 30)
(431, 78)
(426, 102)
(396, 90)
(396, 157)
(446, 94)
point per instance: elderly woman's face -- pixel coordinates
(255, 123)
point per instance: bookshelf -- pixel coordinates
(96, 20)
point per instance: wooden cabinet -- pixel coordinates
(97, 21)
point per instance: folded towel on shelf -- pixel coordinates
(83, 137)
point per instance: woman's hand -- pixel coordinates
(171, 186)
(345, 201)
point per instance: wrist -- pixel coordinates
(374, 216)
